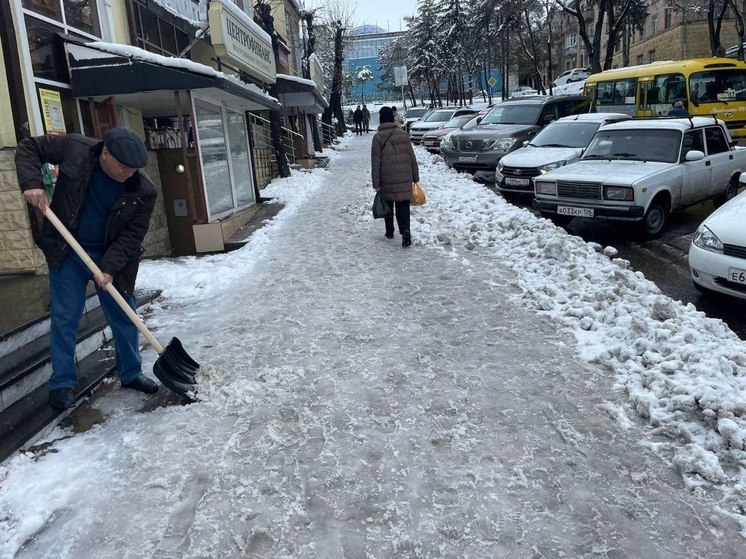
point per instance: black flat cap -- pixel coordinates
(126, 147)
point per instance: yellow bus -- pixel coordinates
(706, 86)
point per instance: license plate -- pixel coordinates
(577, 212)
(466, 159)
(516, 182)
(737, 276)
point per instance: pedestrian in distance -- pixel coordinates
(399, 118)
(104, 199)
(366, 119)
(678, 110)
(358, 119)
(393, 169)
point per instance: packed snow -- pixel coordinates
(500, 389)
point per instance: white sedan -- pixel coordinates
(717, 255)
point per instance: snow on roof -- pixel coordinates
(296, 79)
(139, 54)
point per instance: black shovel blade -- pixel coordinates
(177, 370)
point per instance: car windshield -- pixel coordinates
(637, 145)
(416, 113)
(519, 113)
(566, 134)
(471, 124)
(458, 121)
(439, 116)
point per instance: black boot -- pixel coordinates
(62, 398)
(406, 239)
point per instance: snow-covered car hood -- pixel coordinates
(609, 172)
(727, 221)
(530, 156)
(494, 131)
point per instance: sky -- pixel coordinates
(499, 389)
(386, 14)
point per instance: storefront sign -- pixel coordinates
(51, 109)
(240, 41)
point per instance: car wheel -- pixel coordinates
(730, 192)
(655, 219)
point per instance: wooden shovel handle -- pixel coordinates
(80, 251)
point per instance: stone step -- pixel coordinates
(28, 366)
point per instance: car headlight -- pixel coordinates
(544, 187)
(500, 166)
(619, 193)
(447, 142)
(546, 168)
(707, 240)
(503, 144)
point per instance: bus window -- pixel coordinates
(671, 88)
(718, 86)
(625, 91)
(604, 92)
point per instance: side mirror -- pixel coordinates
(526, 142)
(479, 120)
(694, 155)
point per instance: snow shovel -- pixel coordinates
(174, 368)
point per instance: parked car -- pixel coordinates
(431, 140)
(436, 119)
(522, 91)
(717, 255)
(559, 144)
(416, 113)
(574, 75)
(504, 129)
(642, 170)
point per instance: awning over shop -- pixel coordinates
(301, 93)
(146, 81)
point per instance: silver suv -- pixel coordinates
(504, 129)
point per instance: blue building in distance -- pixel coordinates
(366, 42)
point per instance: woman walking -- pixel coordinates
(394, 169)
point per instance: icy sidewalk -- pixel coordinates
(362, 400)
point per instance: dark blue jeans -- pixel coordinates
(67, 289)
(401, 210)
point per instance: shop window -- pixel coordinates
(69, 109)
(82, 15)
(225, 159)
(52, 10)
(155, 34)
(46, 50)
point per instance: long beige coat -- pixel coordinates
(393, 163)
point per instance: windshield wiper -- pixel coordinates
(551, 146)
(623, 155)
(597, 156)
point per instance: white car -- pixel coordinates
(562, 142)
(717, 255)
(574, 75)
(522, 91)
(642, 170)
(435, 120)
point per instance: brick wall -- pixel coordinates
(18, 253)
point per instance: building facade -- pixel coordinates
(667, 34)
(365, 44)
(189, 77)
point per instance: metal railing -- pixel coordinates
(263, 137)
(329, 134)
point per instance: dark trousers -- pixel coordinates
(401, 210)
(358, 128)
(67, 289)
